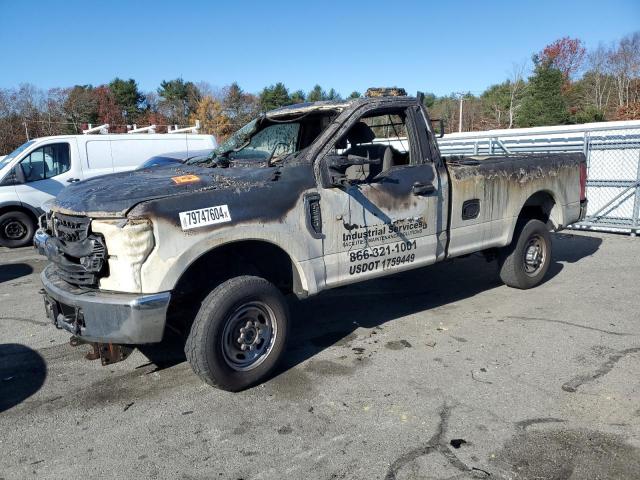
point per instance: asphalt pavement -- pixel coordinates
(441, 372)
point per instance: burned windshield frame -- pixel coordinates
(297, 131)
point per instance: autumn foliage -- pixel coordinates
(566, 54)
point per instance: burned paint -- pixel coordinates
(401, 219)
(251, 195)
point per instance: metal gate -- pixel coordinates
(613, 160)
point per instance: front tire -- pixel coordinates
(239, 333)
(16, 229)
(524, 263)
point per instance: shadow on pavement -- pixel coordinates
(334, 315)
(11, 271)
(321, 321)
(22, 373)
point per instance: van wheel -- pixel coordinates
(239, 333)
(16, 229)
(524, 263)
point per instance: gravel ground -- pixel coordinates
(437, 373)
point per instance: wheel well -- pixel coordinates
(248, 257)
(19, 208)
(542, 206)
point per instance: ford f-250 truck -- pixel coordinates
(302, 199)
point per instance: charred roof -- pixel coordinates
(333, 105)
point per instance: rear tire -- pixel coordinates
(524, 263)
(16, 229)
(239, 333)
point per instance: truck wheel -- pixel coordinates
(524, 263)
(16, 229)
(239, 333)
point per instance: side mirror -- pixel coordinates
(18, 174)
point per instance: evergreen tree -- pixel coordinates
(239, 105)
(274, 96)
(429, 99)
(127, 97)
(179, 98)
(354, 94)
(333, 95)
(297, 97)
(543, 103)
(316, 94)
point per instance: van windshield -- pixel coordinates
(4, 161)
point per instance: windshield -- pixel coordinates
(15, 153)
(268, 139)
(236, 140)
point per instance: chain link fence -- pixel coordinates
(613, 162)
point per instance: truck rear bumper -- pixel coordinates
(104, 317)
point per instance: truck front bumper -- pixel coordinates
(104, 317)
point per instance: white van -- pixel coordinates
(39, 169)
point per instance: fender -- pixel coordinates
(190, 249)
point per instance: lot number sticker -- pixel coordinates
(204, 216)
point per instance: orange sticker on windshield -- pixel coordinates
(185, 179)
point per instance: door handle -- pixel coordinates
(423, 188)
(73, 180)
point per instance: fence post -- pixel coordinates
(636, 202)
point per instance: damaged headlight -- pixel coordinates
(129, 242)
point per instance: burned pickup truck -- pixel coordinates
(302, 199)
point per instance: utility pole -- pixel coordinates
(460, 96)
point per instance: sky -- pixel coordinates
(438, 47)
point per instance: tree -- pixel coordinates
(81, 106)
(429, 99)
(239, 105)
(354, 94)
(566, 54)
(332, 94)
(274, 96)
(446, 109)
(297, 97)
(496, 101)
(316, 94)
(108, 109)
(543, 103)
(628, 112)
(179, 99)
(53, 112)
(625, 67)
(598, 81)
(213, 118)
(516, 89)
(127, 96)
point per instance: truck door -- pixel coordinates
(47, 170)
(384, 218)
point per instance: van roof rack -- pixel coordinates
(104, 129)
